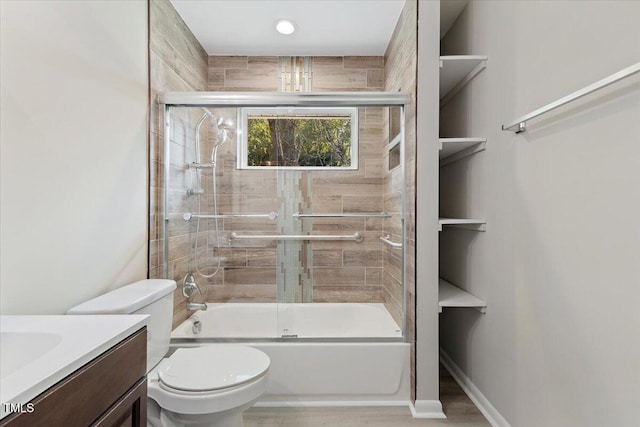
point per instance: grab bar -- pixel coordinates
(385, 239)
(356, 237)
(202, 165)
(520, 124)
(343, 215)
(271, 215)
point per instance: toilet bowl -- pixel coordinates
(208, 386)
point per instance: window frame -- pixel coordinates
(243, 141)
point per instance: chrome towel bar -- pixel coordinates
(520, 124)
(356, 237)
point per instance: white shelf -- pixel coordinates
(467, 223)
(452, 296)
(456, 71)
(453, 149)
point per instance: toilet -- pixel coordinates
(207, 386)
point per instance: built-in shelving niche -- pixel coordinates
(465, 223)
(454, 149)
(450, 295)
(456, 72)
(393, 149)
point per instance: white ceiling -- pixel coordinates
(324, 27)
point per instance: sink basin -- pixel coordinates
(36, 352)
(20, 349)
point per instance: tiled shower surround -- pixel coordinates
(328, 271)
(339, 271)
(177, 63)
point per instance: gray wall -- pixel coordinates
(559, 265)
(426, 282)
(74, 151)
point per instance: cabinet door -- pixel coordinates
(129, 411)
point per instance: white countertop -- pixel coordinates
(38, 351)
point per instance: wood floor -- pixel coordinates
(460, 411)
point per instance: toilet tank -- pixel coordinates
(153, 297)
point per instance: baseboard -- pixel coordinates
(488, 410)
(427, 409)
(321, 403)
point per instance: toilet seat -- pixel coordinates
(209, 379)
(212, 368)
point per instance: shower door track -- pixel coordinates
(284, 99)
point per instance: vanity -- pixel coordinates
(73, 371)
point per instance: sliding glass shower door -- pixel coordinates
(290, 219)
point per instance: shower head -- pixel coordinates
(225, 130)
(222, 136)
(222, 123)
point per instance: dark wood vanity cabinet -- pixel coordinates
(129, 411)
(109, 391)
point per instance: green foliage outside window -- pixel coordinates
(299, 141)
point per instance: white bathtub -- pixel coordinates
(342, 371)
(271, 320)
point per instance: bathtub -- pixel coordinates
(271, 320)
(322, 354)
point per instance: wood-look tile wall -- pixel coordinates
(177, 63)
(244, 73)
(359, 277)
(330, 73)
(348, 73)
(341, 271)
(400, 75)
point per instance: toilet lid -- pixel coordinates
(212, 367)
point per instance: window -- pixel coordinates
(298, 138)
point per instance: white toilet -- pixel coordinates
(208, 386)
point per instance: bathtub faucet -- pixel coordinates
(193, 306)
(189, 286)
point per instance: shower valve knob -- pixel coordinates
(192, 192)
(189, 285)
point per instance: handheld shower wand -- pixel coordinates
(224, 131)
(224, 127)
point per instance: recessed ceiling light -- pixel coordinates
(285, 26)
